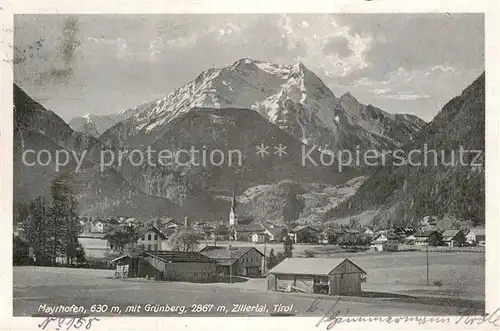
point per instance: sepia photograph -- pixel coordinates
(323, 165)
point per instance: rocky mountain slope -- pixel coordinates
(100, 193)
(95, 125)
(289, 96)
(232, 136)
(295, 202)
(406, 193)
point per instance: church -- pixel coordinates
(241, 227)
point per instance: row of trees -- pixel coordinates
(51, 229)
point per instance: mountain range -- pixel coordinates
(289, 96)
(239, 107)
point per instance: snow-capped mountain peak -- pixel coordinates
(269, 88)
(288, 95)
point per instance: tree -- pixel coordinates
(120, 238)
(64, 226)
(80, 254)
(20, 251)
(185, 240)
(362, 239)
(287, 244)
(272, 260)
(35, 221)
(460, 239)
(435, 239)
(353, 223)
(308, 253)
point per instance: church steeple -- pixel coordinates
(233, 217)
(233, 202)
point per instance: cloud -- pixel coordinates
(323, 45)
(390, 60)
(337, 45)
(405, 96)
(379, 91)
(418, 42)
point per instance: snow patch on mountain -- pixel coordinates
(289, 96)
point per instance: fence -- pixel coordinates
(472, 249)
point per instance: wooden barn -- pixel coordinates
(335, 276)
(166, 265)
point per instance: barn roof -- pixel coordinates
(426, 233)
(450, 233)
(299, 228)
(310, 266)
(224, 256)
(172, 256)
(247, 227)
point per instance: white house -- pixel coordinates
(453, 237)
(476, 235)
(258, 237)
(150, 238)
(97, 227)
(274, 233)
(384, 242)
(410, 240)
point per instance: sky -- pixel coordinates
(402, 63)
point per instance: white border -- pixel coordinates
(492, 55)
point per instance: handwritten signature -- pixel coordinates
(68, 322)
(332, 317)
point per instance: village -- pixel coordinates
(269, 255)
(164, 249)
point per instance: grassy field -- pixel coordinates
(462, 274)
(35, 286)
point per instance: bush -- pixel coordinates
(308, 253)
(437, 283)
(96, 264)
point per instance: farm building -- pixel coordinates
(384, 242)
(245, 261)
(244, 232)
(453, 238)
(259, 237)
(166, 265)
(304, 235)
(316, 275)
(422, 237)
(274, 233)
(476, 236)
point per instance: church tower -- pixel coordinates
(233, 217)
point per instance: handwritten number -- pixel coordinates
(70, 323)
(44, 324)
(79, 323)
(89, 324)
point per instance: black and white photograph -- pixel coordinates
(326, 165)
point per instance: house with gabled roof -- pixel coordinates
(422, 237)
(146, 237)
(304, 234)
(332, 276)
(240, 261)
(244, 232)
(453, 238)
(385, 242)
(476, 236)
(274, 233)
